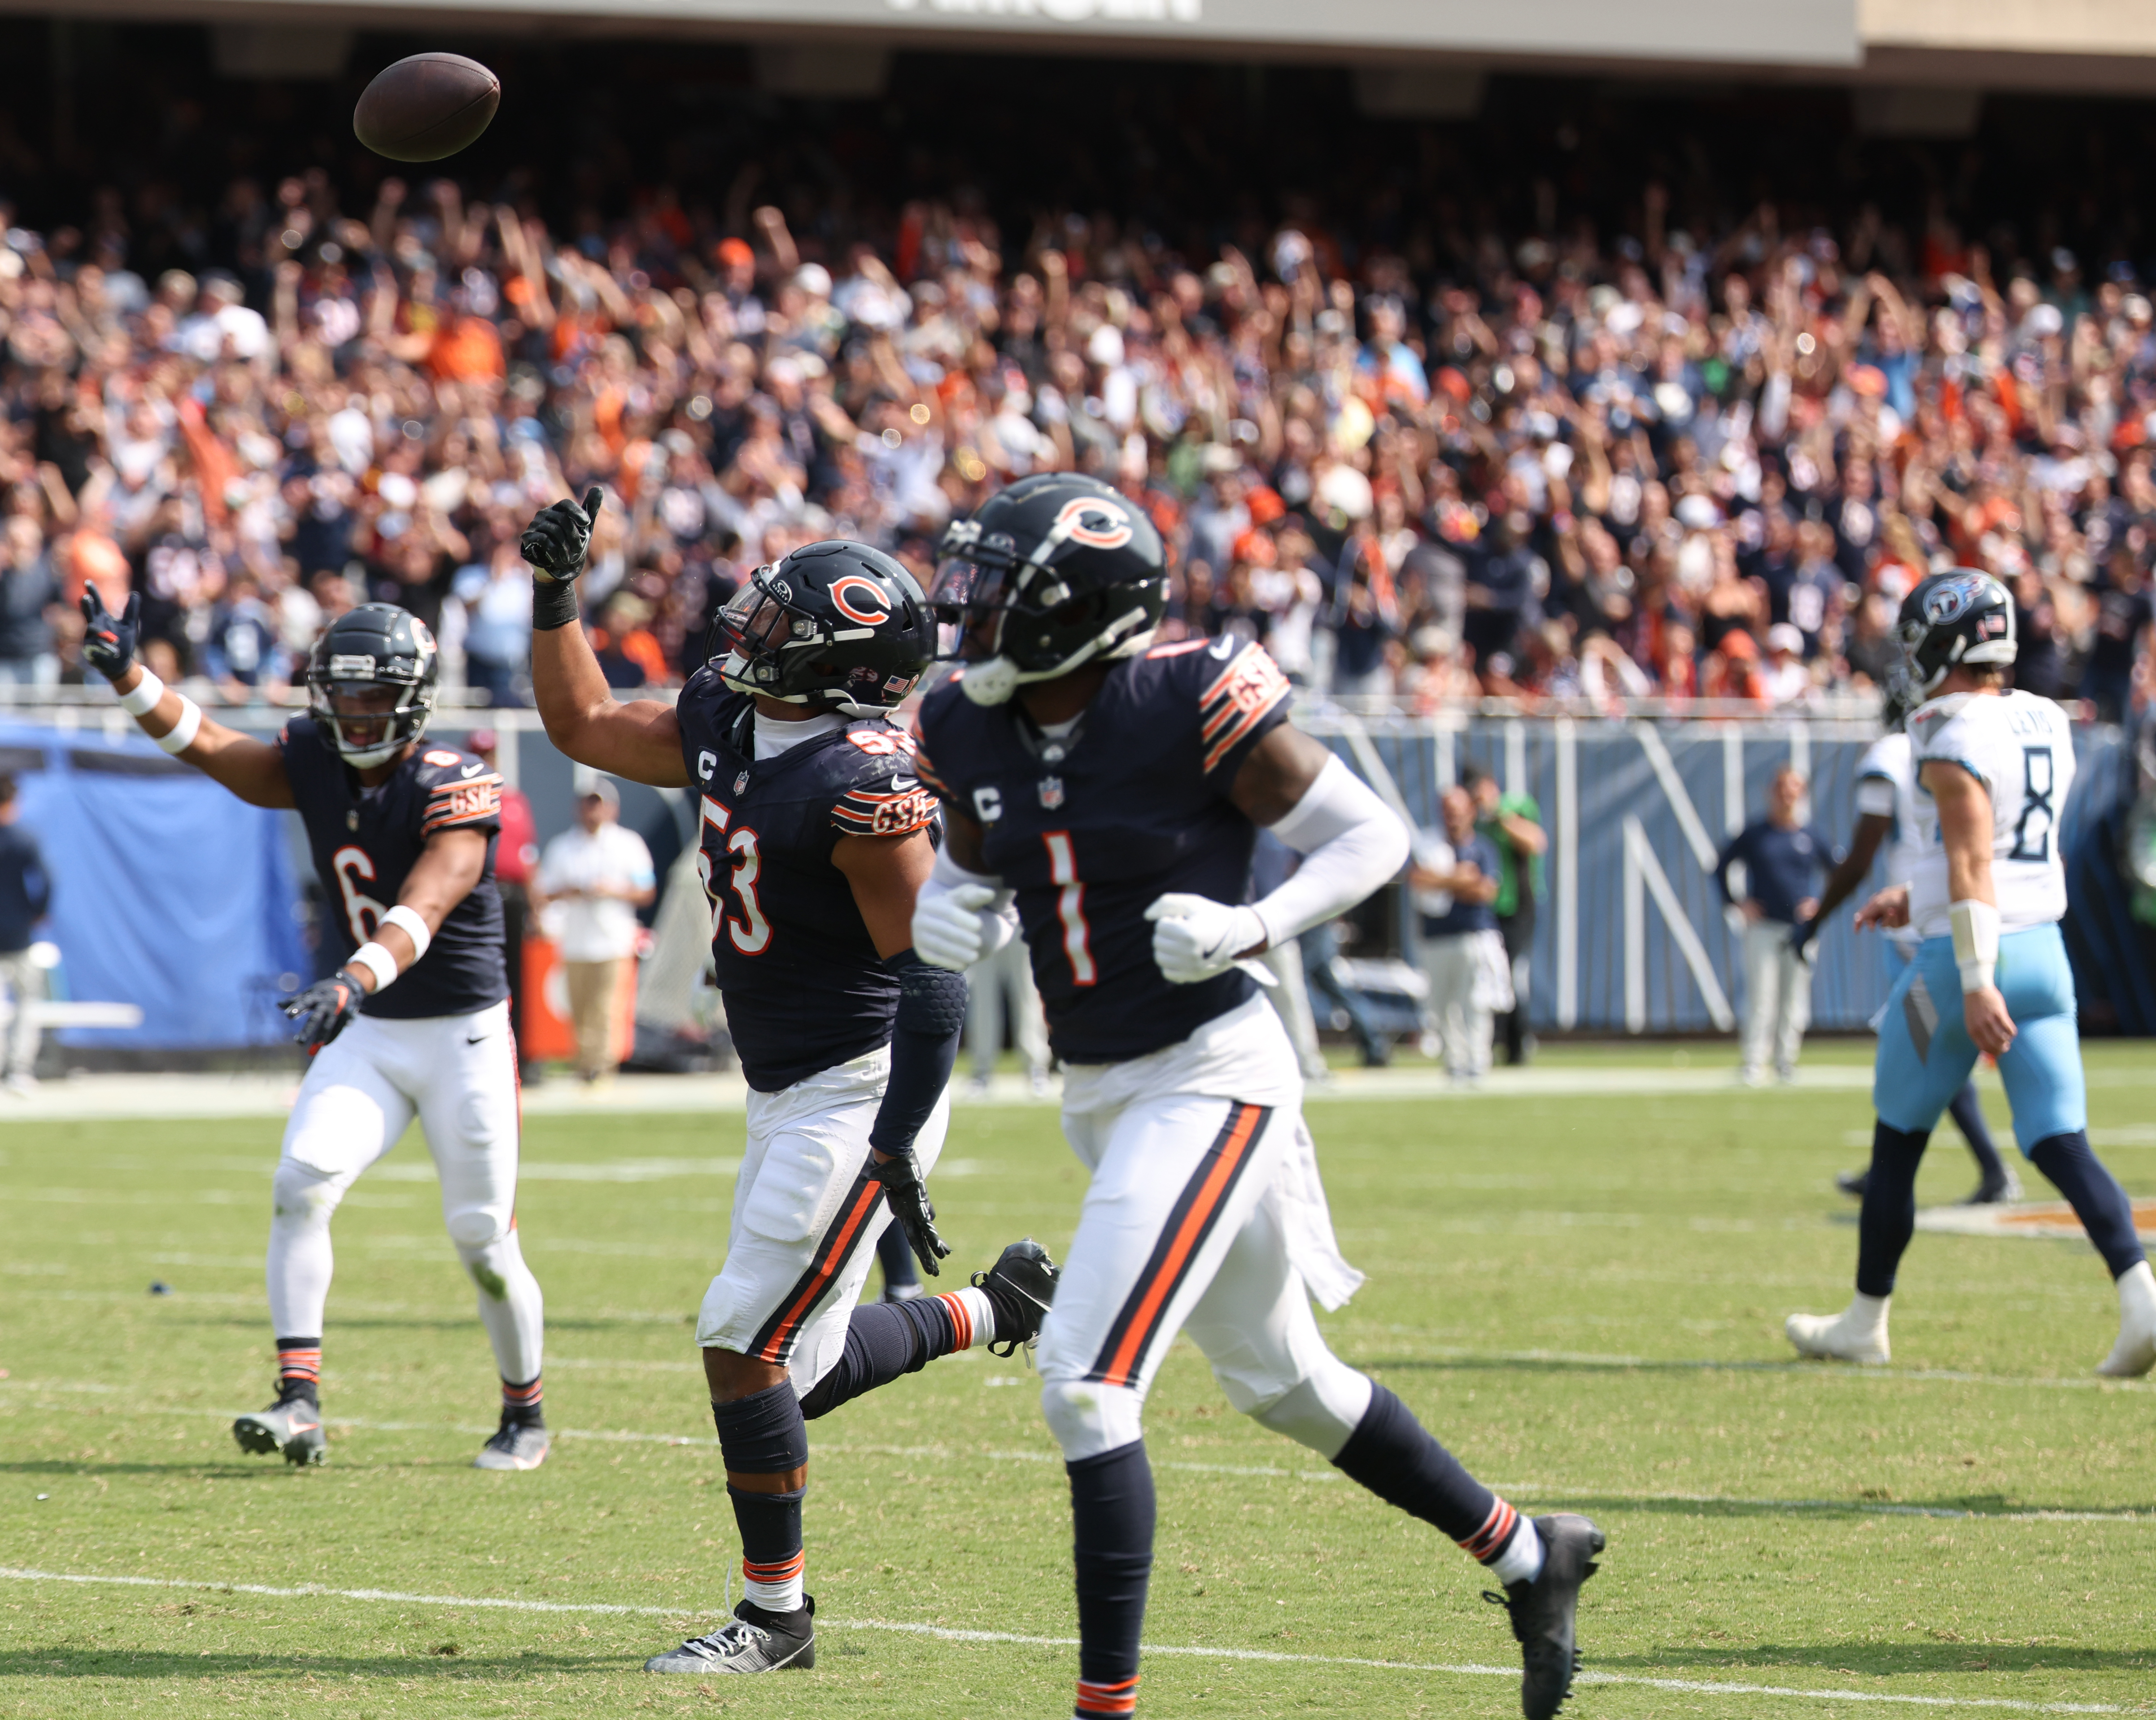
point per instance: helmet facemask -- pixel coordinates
(368, 722)
(988, 596)
(768, 636)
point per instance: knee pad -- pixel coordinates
(762, 1434)
(298, 1193)
(1088, 1417)
(1321, 1411)
(473, 1228)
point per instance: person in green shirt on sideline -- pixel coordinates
(1513, 822)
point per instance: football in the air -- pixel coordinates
(426, 107)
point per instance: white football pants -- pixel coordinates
(1185, 1226)
(806, 1218)
(457, 1074)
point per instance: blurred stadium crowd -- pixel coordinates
(1675, 465)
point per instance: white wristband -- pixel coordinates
(184, 731)
(1976, 942)
(147, 691)
(408, 921)
(377, 961)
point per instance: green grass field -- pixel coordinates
(1582, 1295)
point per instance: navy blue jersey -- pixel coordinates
(1088, 829)
(805, 987)
(366, 840)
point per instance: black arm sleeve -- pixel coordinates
(924, 1045)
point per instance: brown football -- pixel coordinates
(426, 107)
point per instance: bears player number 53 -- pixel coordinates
(414, 1021)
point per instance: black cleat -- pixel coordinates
(2001, 1190)
(1019, 1287)
(1544, 1612)
(1852, 1184)
(752, 1640)
(292, 1425)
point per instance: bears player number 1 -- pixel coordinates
(1070, 906)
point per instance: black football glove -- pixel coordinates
(1801, 936)
(323, 1010)
(908, 1195)
(558, 537)
(109, 640)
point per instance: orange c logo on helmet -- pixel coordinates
(874, 605)
(1110, 528)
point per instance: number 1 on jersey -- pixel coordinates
(1070, 906)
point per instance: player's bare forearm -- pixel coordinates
(447, 871)
(1871, 830)
(1964, 809)
(886, 874)
(963, 841)
(640, 741)
(1272, 781)
(251, 769)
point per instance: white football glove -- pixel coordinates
(1195, 938)
(954, 928)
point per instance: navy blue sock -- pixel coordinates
(1394, 1455)
(2094, 1194)
(895, 1255)
(763, 1434)
(1112, 1505)
(1969, 1117)
(1889, 1218)
(883, 1341)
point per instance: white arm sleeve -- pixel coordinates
(1351, 843)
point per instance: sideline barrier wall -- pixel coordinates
(1631, 935)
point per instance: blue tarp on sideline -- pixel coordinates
(167, 892)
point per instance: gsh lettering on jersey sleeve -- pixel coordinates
(1235, 705)
(476, 802)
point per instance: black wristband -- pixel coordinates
(553, 603)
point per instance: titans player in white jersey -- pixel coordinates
(1111, 790)
(415, 1019)
(1887, 817)
(1985, 895)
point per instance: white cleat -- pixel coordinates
(1856, 1334)
(2135, 1352)
(516, 1445)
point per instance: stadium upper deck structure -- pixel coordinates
(1923, 65)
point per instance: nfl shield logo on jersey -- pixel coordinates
(741, 783)
(1051, 793)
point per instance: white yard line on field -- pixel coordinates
(1816, 1370)
(820, 1450)
(941, 1634)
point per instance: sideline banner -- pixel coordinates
(167, 892)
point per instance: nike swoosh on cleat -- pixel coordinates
(479, 1040)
